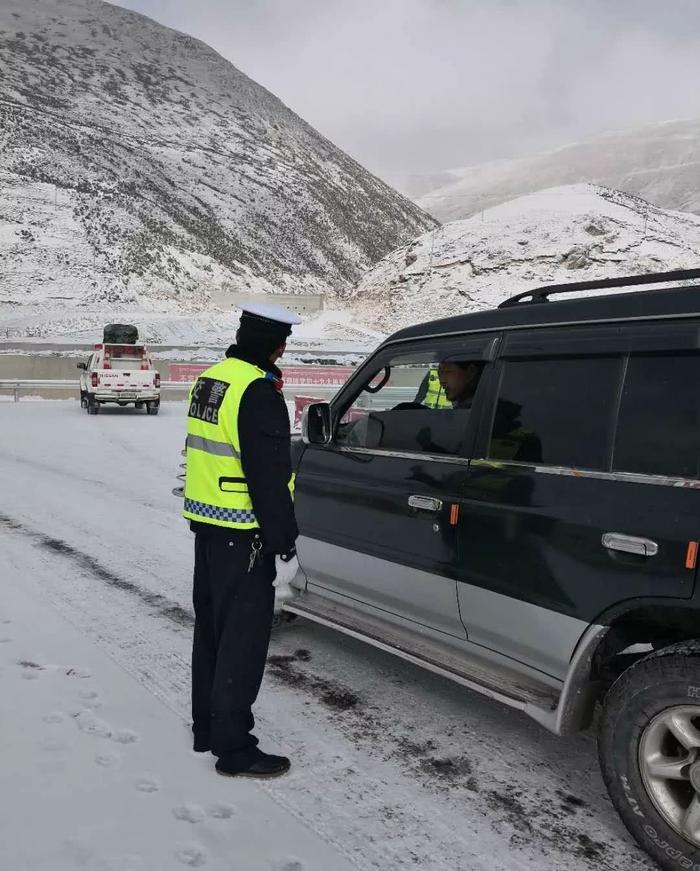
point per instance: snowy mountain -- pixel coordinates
(660, 163)
(557, 235)
(139, 171)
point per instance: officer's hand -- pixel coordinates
(286, 571)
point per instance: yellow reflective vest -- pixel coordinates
(216, 491)
(435, 395)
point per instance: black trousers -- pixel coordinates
(233, 618)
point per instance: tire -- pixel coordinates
(83, 400)
(92, 406)
(152, 407)
(649, 709)
(138, 405)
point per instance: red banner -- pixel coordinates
(333, 376)
(187, 371)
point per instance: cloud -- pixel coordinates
(412, 86)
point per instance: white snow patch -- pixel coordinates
(561, 235)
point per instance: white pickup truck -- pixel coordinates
(121, 374)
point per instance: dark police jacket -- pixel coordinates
(263, 430)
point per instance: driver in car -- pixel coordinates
(459, 380)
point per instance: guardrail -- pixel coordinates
(18, 386)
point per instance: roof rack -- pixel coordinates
(542, 294)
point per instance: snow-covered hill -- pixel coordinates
(660, 163)
(139, 170)
(557, 235)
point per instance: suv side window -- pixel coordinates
(414, 411)
(556, 411)
(658, 430)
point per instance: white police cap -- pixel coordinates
(269, 312)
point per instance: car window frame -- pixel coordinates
(673, 352)
(477, 347)
(622, 340)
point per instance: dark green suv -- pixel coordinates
(535, 537)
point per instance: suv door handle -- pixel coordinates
(425, 503)
(630, 544)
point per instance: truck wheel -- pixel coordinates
(83, 400)
(649, 750)
(92, 406)
(152, 407)
(138, 405)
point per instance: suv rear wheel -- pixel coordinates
(649, 747)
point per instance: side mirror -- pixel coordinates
(82, 366)
(316, 424)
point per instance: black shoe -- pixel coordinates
(266, 765)
(201, 744)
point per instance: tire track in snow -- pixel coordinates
(164, 607)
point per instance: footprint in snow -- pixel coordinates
(6, 640)
(77, 672)
(221, 811)
(191, 854)
(54, 717)
(29, 663)
(147, 784)
(288, 865)
(92, 725)
(90, 698)
(108, 760)
(30, 669)
(125, 736)
(189, 813)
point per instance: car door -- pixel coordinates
(582, 490)
(375, 506)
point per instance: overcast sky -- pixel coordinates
(417, 86)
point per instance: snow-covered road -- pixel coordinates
(392, 766)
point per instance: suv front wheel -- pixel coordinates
(649, 747)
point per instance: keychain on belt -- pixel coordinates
(255, 549)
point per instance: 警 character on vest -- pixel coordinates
(238, 500)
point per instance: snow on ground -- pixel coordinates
(98, 774)
(392, 767)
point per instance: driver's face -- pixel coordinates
(458, 383)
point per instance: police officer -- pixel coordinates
(238, 499)
(431, 393)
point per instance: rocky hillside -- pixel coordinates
(139, 171)
(562, 234)
(660, 163)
